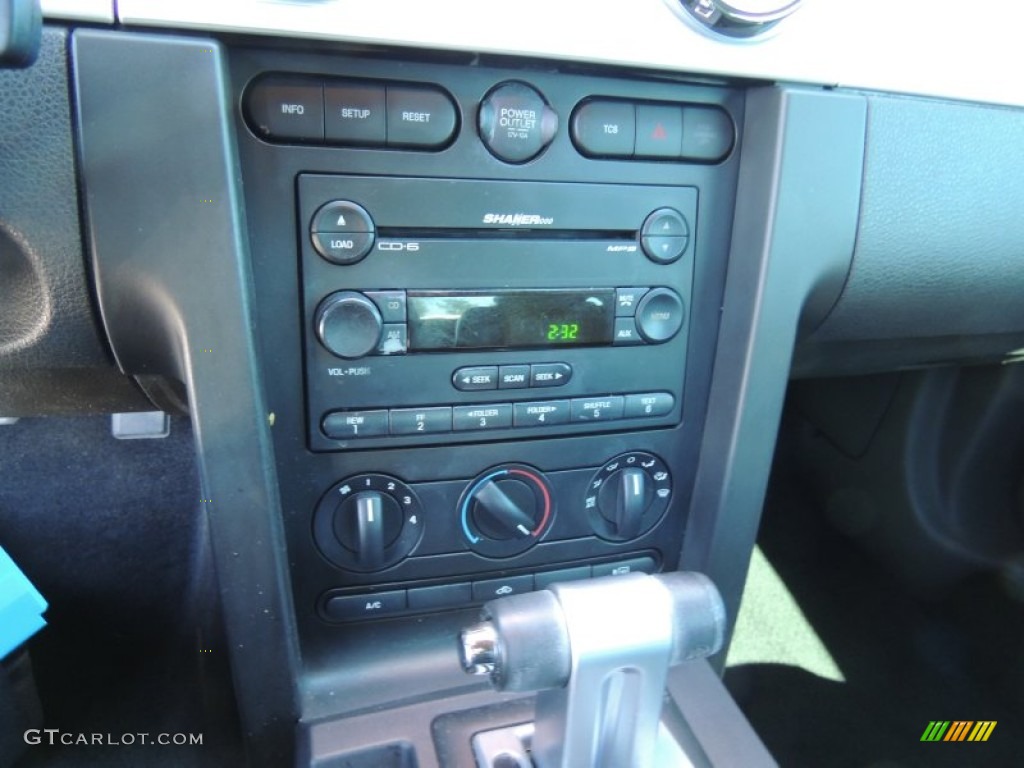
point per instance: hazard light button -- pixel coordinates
(659, 131)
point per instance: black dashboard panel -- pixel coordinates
(457, 222)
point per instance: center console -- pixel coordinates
(488, 300)
(453, 328)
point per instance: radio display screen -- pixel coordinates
(510, 319)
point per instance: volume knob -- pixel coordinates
(348, 324)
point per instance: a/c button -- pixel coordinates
(347, 607)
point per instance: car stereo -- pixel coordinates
(470, 310)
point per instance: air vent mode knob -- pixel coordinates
(738, 18)
(628, 496)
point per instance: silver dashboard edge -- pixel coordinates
(919, 47)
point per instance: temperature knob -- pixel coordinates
(506, 510)
(367, 523)
(628, 496)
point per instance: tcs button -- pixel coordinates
(515, 122)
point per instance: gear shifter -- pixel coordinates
(598, 654)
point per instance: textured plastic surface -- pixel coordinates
(174, 291)
(21, 606)
(940, 240)
(52, 354)
(800, 179)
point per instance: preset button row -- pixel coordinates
(445, 596)
(349, 425)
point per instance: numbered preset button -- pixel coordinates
(420, 421)
(650, 404)
(344, 425)
(542, 414)
(476, 417)
(597, 408)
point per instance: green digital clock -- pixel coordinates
(563, 331)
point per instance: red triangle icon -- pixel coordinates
(659, 132)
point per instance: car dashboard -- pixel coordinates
(464, 300)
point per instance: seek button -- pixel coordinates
(476, 378)
(550, 374)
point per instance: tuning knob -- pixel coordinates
(738, 18)
(367, 523)
(628, 496)
(506, 510)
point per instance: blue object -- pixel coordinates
(21, 606)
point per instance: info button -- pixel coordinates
(476, 378)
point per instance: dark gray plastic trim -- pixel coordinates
(793, 238)
(159, 169)
(938, 271)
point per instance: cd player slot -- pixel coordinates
(406, 233)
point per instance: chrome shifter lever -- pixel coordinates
(598, 653)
